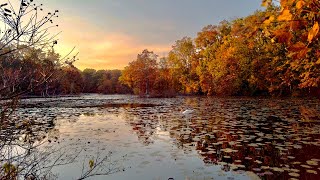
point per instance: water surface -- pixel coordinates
(224, 138)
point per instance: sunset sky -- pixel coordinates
(110, 33)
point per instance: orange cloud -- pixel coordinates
(99, 49)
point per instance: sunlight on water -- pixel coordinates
(234, 138)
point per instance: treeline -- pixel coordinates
(103, 81)
(37, 72)
(272, 52)
(74, 81)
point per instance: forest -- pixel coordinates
(273, 52)
(40, 73)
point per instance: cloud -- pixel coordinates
(100, 49)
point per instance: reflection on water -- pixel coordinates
(224, 138)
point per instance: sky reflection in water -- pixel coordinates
(224, 138)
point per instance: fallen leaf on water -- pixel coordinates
(312, 163)
(305, 166)
(311, 171)
(294, 174)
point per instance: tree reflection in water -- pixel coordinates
(269, 138)
(273, 138)
(30, 146)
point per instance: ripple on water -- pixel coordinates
(264, 137)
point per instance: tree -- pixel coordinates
(182, 58)
(140, 75)
(28, 64)
(24, 30)
(71, 81)
(165, 84)
(206, 43)
(301, 43)
(270, 52)
(89, 81)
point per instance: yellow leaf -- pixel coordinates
(313, 32)
(267, 33)
(266, 3)
(268, 21)
(318, 62)
(300, 4)
(285, 15)
(91, 164)
(286, 3)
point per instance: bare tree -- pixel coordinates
(28, 62)
(21, 29)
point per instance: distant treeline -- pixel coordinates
(74, 81)
(272, 52)
(42, 73)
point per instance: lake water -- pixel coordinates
(224, 138)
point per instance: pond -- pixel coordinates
(223, 138)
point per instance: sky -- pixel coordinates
(108, 34)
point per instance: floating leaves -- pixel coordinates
(294, 174)
(228, 150)
(277, 169)
(306, 166)
(258, 162)
(311, 171)
(91, 164)
(312, 163)
(236, 144)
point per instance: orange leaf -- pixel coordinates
(302, 54)
(283, 36)
(300, 4)
(295, 25)
(313, 32)
(285, 15)
(268, 21)
(266, 3)
(283, 3)
(286, 3)
(297, 47)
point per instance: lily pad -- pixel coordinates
(294, 174)
(306, 166)
(312, 171)
(312, 163)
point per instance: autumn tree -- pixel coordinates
(183, 65)
(270, 52)
(25, 39)
(141, 73)
(89, 85)
(71, 81)
(29, 65)
(298, 32)
(209, 67)
(166, 84)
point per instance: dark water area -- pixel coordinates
(223, 138)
